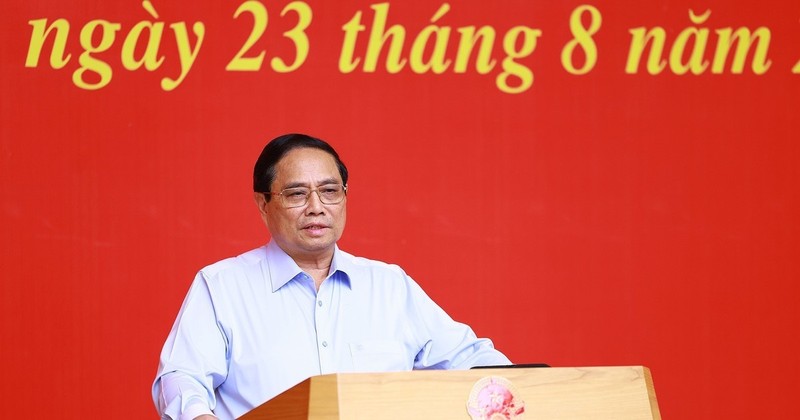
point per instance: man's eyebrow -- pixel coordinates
(295, 185)
(304, 184)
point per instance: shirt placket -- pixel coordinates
(322, 318)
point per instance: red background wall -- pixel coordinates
(600, 219)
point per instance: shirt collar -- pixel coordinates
(282, 268)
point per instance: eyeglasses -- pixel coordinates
(298, 196)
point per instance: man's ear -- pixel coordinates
(261, 202)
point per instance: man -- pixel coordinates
(255, 325)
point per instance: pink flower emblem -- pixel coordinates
(492, 398)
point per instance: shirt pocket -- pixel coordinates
(380, 356)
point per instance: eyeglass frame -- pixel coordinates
(308, 196)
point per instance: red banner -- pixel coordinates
(606, 183)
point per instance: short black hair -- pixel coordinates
(264, 170)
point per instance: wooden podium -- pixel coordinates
(597, 393)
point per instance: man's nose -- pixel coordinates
(314, 205)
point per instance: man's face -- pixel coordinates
(307, 232)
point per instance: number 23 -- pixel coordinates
(260, 19)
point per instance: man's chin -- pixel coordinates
(321, 243)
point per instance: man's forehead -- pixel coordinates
(307, 165)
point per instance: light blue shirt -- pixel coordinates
(254, 325)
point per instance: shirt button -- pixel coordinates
(319, 303)
(324, 344)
